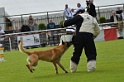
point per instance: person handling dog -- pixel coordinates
(87, 29)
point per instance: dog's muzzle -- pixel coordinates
(67, 39)
(69, 44)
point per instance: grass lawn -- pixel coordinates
(110, 66)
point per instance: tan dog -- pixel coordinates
(52, 55)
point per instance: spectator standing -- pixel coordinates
(86, 30)
(72, 13)
(79, 7)
(91, 8)
(67, 12)
(35, 26)
(25, 27)
(119, 12)
(30, 22)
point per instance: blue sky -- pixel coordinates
(17, 7)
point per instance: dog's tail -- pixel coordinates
(21, 49)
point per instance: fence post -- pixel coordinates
(123, 7)
(21, 20)
(98, 12)
(48, 17)
(10, 43)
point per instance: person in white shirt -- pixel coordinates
(79, 7)
(72, 13)
(1, 31)
(67, 12)
(122, 15)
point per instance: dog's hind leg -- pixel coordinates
(62, 67)
(56, 68)
(32, 61)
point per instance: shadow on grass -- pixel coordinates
(69, 74)
(51, 75)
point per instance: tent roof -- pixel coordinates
(17, 7)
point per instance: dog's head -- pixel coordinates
(66, 39)
(68, 44)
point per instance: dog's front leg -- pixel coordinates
(31, 69)
(56, 68)
(62, 67)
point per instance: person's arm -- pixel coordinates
(55, 25)
(117, 17)
(96, 28)
(47, 26)
(3, 32)
(92, 10)
(21, 29)
(28, 28)
(72, 21)
(111, 19)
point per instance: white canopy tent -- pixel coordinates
(17, 7)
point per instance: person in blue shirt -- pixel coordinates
(51, 24)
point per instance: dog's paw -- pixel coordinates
(66, 72)
(32, 70)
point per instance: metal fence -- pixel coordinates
(45, 37)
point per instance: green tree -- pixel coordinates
(102, 20)
(42, 26)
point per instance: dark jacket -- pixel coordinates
(16, 31)
(77, 20)
(84, 23)
(112, 18)
(91, 10)
(119, 12)
(51, 26)
(25, 28)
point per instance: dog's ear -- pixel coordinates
(63, 42)
(19, 41)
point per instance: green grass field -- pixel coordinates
(110, 66)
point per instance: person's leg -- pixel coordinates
(76, 56)
(90, 51)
